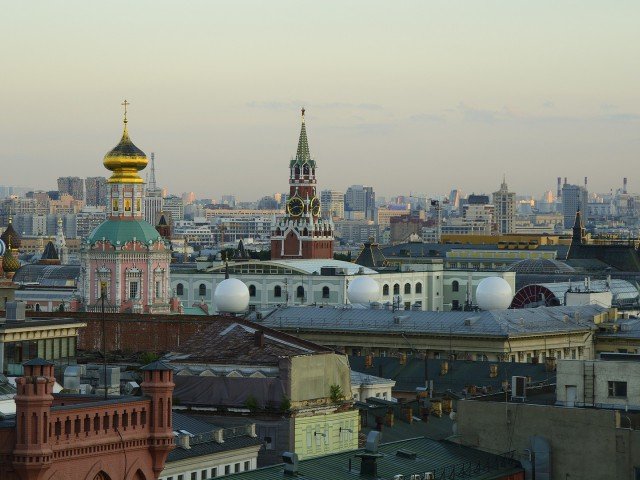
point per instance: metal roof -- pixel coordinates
(622, 291)
(445, 459)
(308, 267)
(361, 378)
(501, 323)
(48, 275)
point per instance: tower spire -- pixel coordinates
(302, 154)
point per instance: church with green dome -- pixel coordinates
(125, 261)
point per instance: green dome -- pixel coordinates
(119, 232)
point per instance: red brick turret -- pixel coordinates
(158, 385)
(32, 453)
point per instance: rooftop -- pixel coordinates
(48, 275)
(305, 267)
(445, 459)
(500, 323)
(460, 374)
(234, 340)
(362, 378)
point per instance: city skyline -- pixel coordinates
(441, 95)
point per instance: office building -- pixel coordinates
(574, 198)
(360, 198)
(504, 203)
(332, 203)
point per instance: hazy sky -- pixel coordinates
(405, 96)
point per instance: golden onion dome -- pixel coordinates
(9, 262)
(125, 160)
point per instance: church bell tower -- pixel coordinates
(302, 234)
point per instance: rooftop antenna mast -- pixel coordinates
(151, 180)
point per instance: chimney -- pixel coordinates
(259, 338)
(585, 183)
(182, 440)
(624, 185)
(559, 193)
(369, 459)
(15, 311)
(290, 460)
(565, 180)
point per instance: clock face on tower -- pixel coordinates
(315, 207)
(295, 207)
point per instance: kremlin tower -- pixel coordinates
(125, 257)
(302, 234)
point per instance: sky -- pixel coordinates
(406, 96)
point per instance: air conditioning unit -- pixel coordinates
(429, 476)
(518, 387)
(398, 477)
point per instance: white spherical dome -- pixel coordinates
(363, 290)
(494, 293)
(231, 296)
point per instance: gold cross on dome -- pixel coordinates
(125, 104)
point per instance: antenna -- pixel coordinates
(151, 183)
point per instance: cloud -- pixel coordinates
(296, 104)
(427, 118)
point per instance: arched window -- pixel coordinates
(325, 292)
(300, 292)
(37, 307)
(396, 289)
(407, 288)
(385, 290)
(277, 291)
(180, 289)
(297, 170)
(455, 286)
(305, 169)
(418, 287)
(202, 290)
(252, 290)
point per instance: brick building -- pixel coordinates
(59, 436)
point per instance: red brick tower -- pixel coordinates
(158, 385)
(302, 234)
(34, 396)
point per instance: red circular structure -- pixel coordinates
(534, 296)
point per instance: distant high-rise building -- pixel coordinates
(228, 200)
(360, 198)
(153, 198)
(574, 198)
(504, 203)
(74, 186)
(175, 207)
(332, 204)
(96, 191)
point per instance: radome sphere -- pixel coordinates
(363, 290)
(494, 293)
(231, 296)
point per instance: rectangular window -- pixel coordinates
(194, 475)
(133, 290)
(247, 466)
(618, 389)
(203, 474)
(227, 469)
(115, 209)
(157, 289)
(236, 468)
(214, 472)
